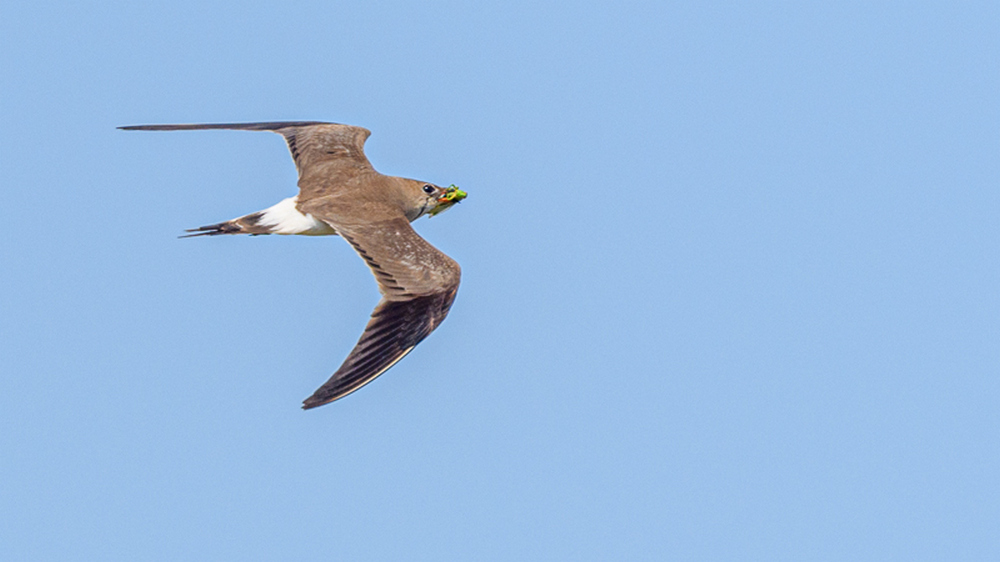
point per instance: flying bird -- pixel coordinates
(340, 193)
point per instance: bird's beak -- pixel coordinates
(450, 196)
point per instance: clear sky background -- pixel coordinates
(730, 283)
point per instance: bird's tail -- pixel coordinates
(247, 224)
(283, 218)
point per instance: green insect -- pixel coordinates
(451, 196)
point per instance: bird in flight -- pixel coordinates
(341, 193)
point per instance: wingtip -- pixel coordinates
(322, 398)
(310, 403)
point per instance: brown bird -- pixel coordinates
(341, 193)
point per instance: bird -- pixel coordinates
(340, 193)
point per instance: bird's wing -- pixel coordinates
(418, 285)
(331, 149)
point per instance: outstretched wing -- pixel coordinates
(326, 149)
(418, 285)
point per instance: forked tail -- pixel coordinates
(283, 218)
(249, 224)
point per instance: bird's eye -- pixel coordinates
(428, 189)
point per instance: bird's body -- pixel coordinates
(340, 193)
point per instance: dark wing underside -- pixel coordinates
(418, 284)
(395, 329)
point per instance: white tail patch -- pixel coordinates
(285, 218)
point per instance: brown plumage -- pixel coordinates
(340, 193)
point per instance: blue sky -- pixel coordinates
(729, 283)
